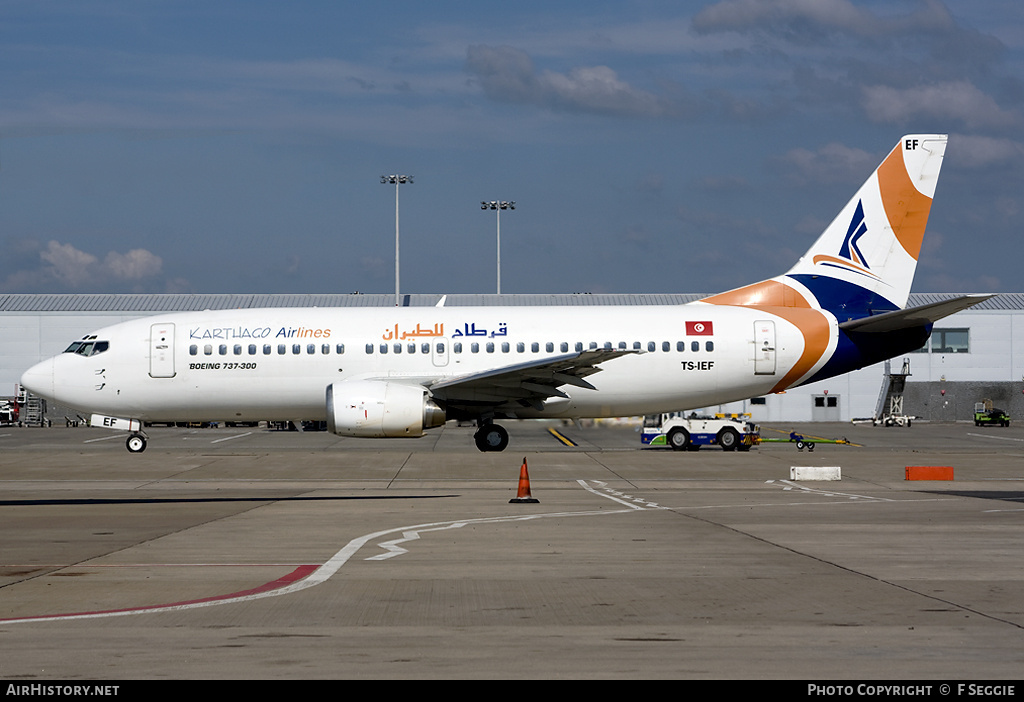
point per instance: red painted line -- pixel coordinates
(296, 575)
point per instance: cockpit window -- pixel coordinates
(87, 348)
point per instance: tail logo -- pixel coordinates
(850, 251)
(850, 256)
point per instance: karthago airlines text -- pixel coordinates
(258, 333)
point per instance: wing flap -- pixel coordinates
(529, 382)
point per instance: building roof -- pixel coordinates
(189, 302)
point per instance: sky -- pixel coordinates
(650, 146)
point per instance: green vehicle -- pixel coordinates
(985, 413)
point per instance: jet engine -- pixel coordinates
(375, 408)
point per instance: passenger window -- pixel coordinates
(457, 347)
(680, 346)
(474, 347)
(651, 346)
(252, 349)
(535, 347)
(383, 348)
(695, 346)
(238, 349)
(296, 349)
(490, 347)
(398, 348)
(579, 346)
(520, 347)
(369, 348)
(282, 349)
(565, 347)
(549, 347)
(665, 346)
(412, 348)
(223, 349)
(266, 349)
(208, 349)
(193, 350)
(636, 346)
(325, 349)
(504, 347)
(709, 345)
(340, 349)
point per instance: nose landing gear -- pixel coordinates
(136, 443)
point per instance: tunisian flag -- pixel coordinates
(699, 329)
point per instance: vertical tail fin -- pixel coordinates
(864, 261)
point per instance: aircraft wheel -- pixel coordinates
(491, 437)
(679, 439)
(728, 439)
(136, 443)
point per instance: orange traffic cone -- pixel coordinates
(524, 486)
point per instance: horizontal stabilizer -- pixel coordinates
(913, 317)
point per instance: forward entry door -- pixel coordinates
(161, 350)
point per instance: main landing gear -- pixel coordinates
(136, 443)
(491, 437)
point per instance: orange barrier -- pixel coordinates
(524, 486)
(929, 472)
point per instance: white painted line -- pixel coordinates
(104, 438)
(998, 438)
(615, 495)
(318, 576)
(229, 438)
(833, 493)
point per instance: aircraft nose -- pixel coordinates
(39, 379)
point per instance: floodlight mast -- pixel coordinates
(498, 206)
(397, 180)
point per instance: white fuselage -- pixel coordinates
(275, 364)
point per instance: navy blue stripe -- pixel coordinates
(845, 300)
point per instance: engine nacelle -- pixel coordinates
(375, 408)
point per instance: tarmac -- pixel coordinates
(244, 554)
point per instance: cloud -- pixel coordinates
(62, 267)
(969, 151)
(832, 163)
(815, 21)
(957, 100)
(507, 74)
(803, 17)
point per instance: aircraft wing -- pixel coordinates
(913, 317)
(528, 384)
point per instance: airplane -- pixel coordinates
(397, 372)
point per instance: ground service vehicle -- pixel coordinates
(985, 413)
(690, 433)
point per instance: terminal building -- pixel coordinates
(972, 356)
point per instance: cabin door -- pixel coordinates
(161, 350)
(764, 347)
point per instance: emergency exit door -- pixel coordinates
(161, 350)
(764, 347)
